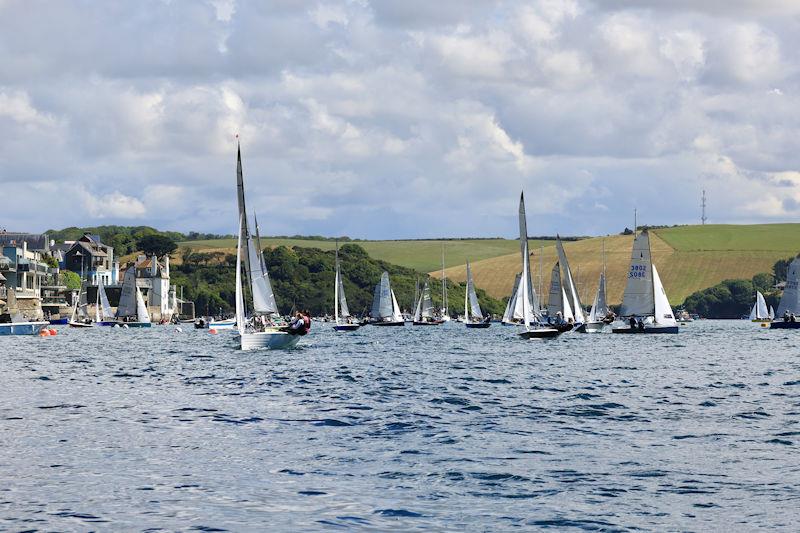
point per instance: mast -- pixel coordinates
(541, 266)
(523, 237)
(444, 285)
(336, 287)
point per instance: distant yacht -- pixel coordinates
(600, 316)
(645, 303)
(385, 311)
(132, 311)
(570, 289)
(80, 315)
(533, 328)
(423, 313)
(760, 312)
(473, 316)
(344, 320)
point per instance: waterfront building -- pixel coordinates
(92, 259)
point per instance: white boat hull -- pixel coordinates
(222, 324)
(595, 327)
(273, 340)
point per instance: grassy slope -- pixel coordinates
(424, 256)
(688, 259)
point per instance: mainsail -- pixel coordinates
(127, 299)
(340, 302)
(533, 298)
(638, 299)
(760, 310)
(790, 301)
(555, 302)
(424, 305)
(569, 283)
(472, 309)
(382, 305)
(105, 306)
(263, 296)
(397, 316)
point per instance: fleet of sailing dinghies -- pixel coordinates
(789, 307)
(344, 320)
(385, 311)
(132, 311)
(254, 317)
(644, 302)
(473, 316)
(533, 328)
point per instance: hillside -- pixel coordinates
(423, 256)
(689, 258)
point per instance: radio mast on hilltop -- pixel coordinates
(703, 216)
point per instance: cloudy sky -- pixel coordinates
(413, 118)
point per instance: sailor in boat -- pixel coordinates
(610, 317)
(300, 325)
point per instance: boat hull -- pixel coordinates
(594, 327)
(647, 330)
(59, 322)
(135, 324)
(346, 327)
(388, 323)
(106, 323)
(541, 333)
(81, 325)
(428, 323)
(477, 325)
(273, 340)
(22, 328)
(784, 325)
(222, 324)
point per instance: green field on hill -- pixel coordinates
(727, 237)
(423, 256)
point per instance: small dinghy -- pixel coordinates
(80, 315)
(344, 320)
(473, 316)
(385, 311)
(423, 315)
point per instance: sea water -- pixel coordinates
(413, 428)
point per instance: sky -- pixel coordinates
(409, 119)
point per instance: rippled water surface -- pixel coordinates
(401, 429)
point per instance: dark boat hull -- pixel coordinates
(346, 327)
(784, 325)
(59, 322)
(425, 323)
(646, 330)
(477, 325)
(388, 323)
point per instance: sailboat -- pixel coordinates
(559, 308)
(534, 329)
(102, 308)
(423, 313)
(473, 317)
(385, 311)
(760, 312)
(510, 317)
(444, 315)
(570, 289)
(599, 316)
(644, 298)
(340, 311)
(132, 311)
(789, 306)
(255, 331)
(80, 316)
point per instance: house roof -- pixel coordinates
(91, 248)
(36, 241)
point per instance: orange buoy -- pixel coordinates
(53, 332)
(44, 333)
(213, 331)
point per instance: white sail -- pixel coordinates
(569, 284)
(97, 317)
(382, 299)
(397, 316)
(754, 311)
(638, 299)
(127, 298)
(599, 306)
(427, 303)
(444, 287)
(762, 312)
(340, 302)
(790, 301)
(472, 308)
(262, 277)
(663, 311)
(555, 301)
(141, 308)
(771, 313)
(511, 306)
(239, 292)
(566, 309)
(106, 311)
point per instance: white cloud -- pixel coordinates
(112, 205)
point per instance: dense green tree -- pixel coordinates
(155, 244)
(70, 279)
(763, 282)
(781, 268)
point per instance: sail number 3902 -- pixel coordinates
(637, 271)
